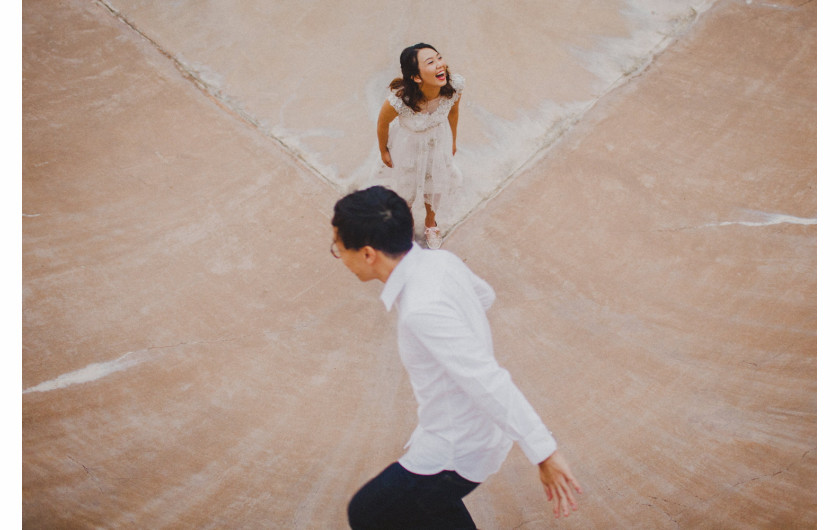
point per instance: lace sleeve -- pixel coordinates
(457, 82)
(396, 102)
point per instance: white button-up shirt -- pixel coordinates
(469, 410)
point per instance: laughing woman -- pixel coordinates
(420, 148)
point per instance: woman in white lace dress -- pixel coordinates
(419, 149)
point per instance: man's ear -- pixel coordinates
(369, 254)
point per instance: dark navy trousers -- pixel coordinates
(400, 499)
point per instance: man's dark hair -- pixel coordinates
(377, 217)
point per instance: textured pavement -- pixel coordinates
(643, 199)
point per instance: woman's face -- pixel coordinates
(432, 68)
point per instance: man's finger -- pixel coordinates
(565, 504)
(567, 493)
(577, 486)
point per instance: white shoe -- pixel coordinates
(433, 239)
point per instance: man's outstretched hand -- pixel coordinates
(558, 482)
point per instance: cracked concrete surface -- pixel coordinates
(194, 357)
(501, 128)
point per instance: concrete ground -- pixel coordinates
(641, 193)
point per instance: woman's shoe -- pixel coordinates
(433, 239)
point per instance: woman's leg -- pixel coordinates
(433, 238)
(430, 216)
(430, 201)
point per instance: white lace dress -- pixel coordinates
(420, 144)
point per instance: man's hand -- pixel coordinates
(558, 482)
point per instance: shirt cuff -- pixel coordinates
(538, 445)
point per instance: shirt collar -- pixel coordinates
(399, 276)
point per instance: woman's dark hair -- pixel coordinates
(405, 88)
(377, 217)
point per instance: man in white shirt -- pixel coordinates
(469, 410)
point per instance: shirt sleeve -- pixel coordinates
(467, 357)
(486, 295)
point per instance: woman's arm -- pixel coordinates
(453, 123)
(386, 115)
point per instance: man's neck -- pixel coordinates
(386, 265)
